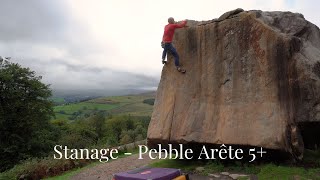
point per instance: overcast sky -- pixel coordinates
(108, 44)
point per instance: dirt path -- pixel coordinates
(106, 170)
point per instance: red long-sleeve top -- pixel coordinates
(169, 31)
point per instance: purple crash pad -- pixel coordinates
(148, 174)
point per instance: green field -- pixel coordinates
(116, 105)
(58, 100)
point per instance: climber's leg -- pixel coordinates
(176, 58)
(175, 54)
(164, 53)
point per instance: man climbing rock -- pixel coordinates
(167, 42)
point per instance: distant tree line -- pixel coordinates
(76, 99)
(98, 129)
(149, 101)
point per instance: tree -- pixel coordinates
(98, 123)
(149, 101)
(127, 136)
(25, 111)
(62, 112)
(140, 132)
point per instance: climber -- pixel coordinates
(166, 43)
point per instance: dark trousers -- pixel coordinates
(172, 50)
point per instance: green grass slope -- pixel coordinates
(309, 168)
(116, 105)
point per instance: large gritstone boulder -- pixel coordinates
(252, 78)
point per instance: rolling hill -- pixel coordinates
(115, 105)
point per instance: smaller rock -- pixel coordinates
(214, 175)
(225, 173)
(200, 169)
(236, 176)
(199, 177)
(296, 177)
(24, 177)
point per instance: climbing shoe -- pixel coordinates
(180, 69)
(164, 62)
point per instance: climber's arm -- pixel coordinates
(181, 25)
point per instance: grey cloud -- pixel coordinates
(32, 20)
(107, 75)
(66, 76)
(44, 22)
(74, 67)
(82, 77)
(47, 23)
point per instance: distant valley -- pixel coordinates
(77, 106)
